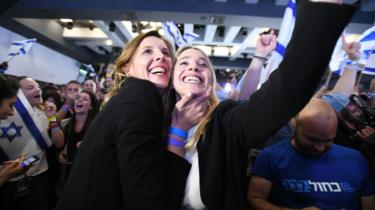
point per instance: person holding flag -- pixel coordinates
(8, 96)
(26, 133)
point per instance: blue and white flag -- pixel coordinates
(20, 48)
(370, 64)
(26, 132)
(337, 58)
(367, 41)
(171, 28)
(285, 34)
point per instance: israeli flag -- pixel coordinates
(171, 29)
(337, 58)
(26, 132)
(367, 40)
(20, 48)
(285, 34)
(370, 64)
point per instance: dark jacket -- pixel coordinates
(122, 162)
(237, 127)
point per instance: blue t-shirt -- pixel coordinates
(335, 180)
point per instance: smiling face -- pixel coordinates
(32, 91)
(82, 104)
(152, 61)
(192, 72)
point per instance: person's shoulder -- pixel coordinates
(138, 88)
(345, 151)
(276, 149)
(138, 84)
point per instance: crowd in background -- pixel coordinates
(328, 147)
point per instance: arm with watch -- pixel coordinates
(266, 43)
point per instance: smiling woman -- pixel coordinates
(123, 162)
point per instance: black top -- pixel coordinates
(237, 127)
(122, 162)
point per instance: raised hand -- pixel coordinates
(190, 110)
(50, 109)
(352, 49)
(266, 43)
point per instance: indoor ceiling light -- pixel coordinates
(108, 42)
(66, 20)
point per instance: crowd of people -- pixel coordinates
(162, 139)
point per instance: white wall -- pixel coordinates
(40, 63)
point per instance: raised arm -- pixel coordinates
(346, 83)
(291, 86)
(266, 43)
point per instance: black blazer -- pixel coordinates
(237, 127)
(122, 162)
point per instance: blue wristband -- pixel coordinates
(178, 132)
(176, 143)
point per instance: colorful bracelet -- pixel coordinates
(52, 119)
(175, 142)
(178, 132)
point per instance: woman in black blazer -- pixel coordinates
(123, 162)
(223, 138)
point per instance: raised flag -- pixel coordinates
(370, 64)
(20, 48)
(367, 41)
(171, 28)
(285, 33)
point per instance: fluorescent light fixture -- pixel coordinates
(66, 20)
(205, 49)
(108, 42)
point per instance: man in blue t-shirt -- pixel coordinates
(310, 172)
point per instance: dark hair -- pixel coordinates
(8, 87)
(55, 95)
(92, 113)
(73, 82)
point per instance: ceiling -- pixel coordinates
(227, 28)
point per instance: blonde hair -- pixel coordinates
(213, 101)
(126, 57)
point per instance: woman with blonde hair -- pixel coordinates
(123, 162)
(230, 129)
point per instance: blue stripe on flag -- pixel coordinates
(23, 51)
(369, 69)
(292, 5)
(13, 54)
(3, 156)
(34, 131)
(280, 49)
(369, 37)
(17, 43)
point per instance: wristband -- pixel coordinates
(52, 119)
(351, 65)
(176, 143)
(263, 59)
(178, 132)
